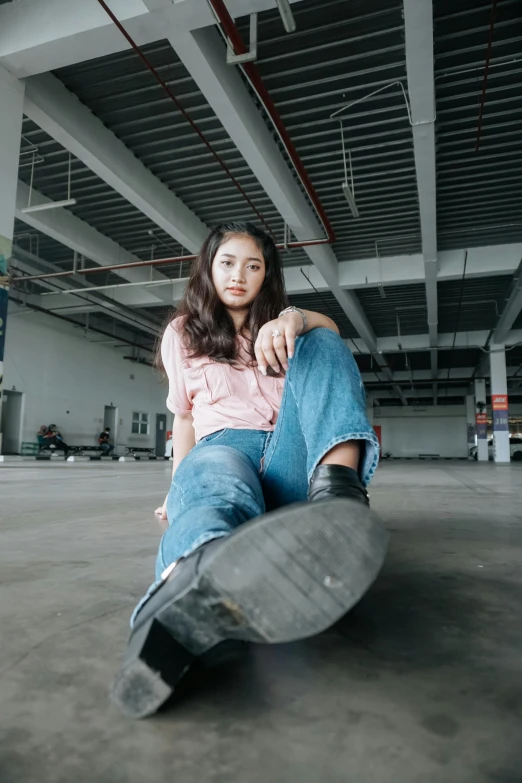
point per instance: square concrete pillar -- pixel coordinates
(499, 404)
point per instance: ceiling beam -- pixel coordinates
(413, 394)
(69, 230)
(69, 31)
(418, 23)
(41, 302)
(29, 307)
(60, 114)
(424, 376)
(422, 342)
(511, 310)
(408, 269)
(74, 31)
(387, 271)
(74, 303)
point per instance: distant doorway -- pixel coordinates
(161, 434)
(110, 419)
(12, 421)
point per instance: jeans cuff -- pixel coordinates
(152, 589)
(204, 538)
(370, 458)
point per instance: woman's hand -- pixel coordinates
(275, 351)
(161, 511)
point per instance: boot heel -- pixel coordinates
(154, 664)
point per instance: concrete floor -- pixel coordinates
(420, 683)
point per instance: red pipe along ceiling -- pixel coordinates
(264, 96)
(255, 80)
(486, 73)
(253, 76)
(153, 262)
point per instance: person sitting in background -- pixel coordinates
(55, 439)
(42, 436)
(105, 441)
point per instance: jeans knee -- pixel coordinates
(217, 472)
(319, 340)
(217, 461)
(322, 335)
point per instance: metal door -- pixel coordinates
(12, 420)
(110, 419)
(161, 433)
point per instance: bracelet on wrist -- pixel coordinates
(295, 310)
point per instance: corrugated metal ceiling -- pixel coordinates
(327, 304)
(479, 193)
(483, 300)
(395, 310)
(340, 52)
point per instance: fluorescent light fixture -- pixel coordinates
(350, 199)
(286, 15)
(68, 202)
(49, 205)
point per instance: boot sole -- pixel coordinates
(285, 576)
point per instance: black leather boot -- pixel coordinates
(286, 575)
(336, 481)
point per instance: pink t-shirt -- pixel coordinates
(218, 395)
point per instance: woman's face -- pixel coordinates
(238, 272)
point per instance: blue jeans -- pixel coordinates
(233, 475)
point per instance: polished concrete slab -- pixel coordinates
(420, 683)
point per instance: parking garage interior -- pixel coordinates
(379, 143)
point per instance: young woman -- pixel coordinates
(270, 535)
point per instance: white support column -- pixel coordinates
(11, 115)
(481, 420)
(499, 403)
(470, 416)
(418, 25)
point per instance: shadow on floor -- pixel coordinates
(458, 633)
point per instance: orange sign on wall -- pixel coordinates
(499, 402)
(482, 425)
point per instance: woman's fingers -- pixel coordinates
(268, 350)
(275, 351)
(260, 357)
(264, 353)
(290, 335)
(280, 348)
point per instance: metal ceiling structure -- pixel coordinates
(342, 52)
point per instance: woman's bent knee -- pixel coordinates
(221, 459)
(320, 339)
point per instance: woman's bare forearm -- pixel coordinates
(183, 438)
(316, 320)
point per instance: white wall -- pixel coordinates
(68, 380)
(410, 431)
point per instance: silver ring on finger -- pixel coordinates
(276, 333)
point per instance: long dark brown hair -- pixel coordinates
(208, 327)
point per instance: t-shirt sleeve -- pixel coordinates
(172, 355)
